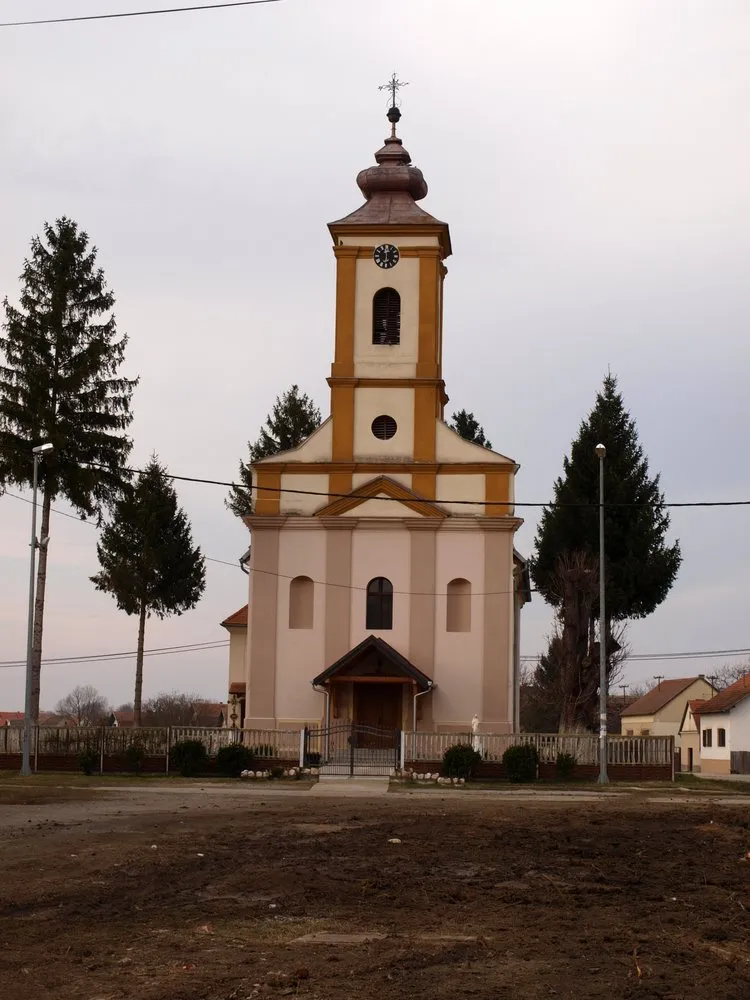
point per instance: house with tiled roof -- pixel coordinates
(11, 718)
(689, 736)
(236, 626)
(660, 711)
(725, 730)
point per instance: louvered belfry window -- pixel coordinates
(386, 317)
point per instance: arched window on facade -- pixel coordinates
(301, 593)
(458, 606)
(386, 317)
(379, 604)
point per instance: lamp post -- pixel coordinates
(601, 451)
(39, 452)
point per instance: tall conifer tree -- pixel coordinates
(293, 419)
(147, 557)
(467, 425)
(59, 382)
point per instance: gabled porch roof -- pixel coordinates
(397, 666)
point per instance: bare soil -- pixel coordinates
(178, 897)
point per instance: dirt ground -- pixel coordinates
(181, 897)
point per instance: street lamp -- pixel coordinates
(39, 452)
(601, 451)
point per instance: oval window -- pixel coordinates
(384, 427)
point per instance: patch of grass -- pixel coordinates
(712, 785)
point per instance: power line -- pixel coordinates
(702, 654)
(83, 520)
(360, 496)
(195, 647)
(135, 13)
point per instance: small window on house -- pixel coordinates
(379, 604)
(629, 732)
(386, 317)
(721, 737)
(645, 732)
(707, 737)
(458, 606)
(301, 593)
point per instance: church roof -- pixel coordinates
(236, 620)
(392, 190)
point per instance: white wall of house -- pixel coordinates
(736, 723)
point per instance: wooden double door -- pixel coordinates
(378, 706)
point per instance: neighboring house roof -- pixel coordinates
(398, 663)
(726, 700)
(655, 699)
(237, 620)
(53, 720)
(692, 707)
(118, 718)
(210, 715)
(10, 718)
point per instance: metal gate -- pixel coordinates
(739, 761)
(351, 749)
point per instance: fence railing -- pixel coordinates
(584, 747)
(285, 743)
(155, 741)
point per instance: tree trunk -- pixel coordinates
(139, 666)
(41, 586)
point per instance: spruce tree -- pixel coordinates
(467, 425)
(640, 566)
(293, 419)
(148, 562)
(59, 362)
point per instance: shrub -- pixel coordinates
(135, 755)
(460, 760)
(189, 757)
(232, 760)
(88, 759)
(276, 772)
(521, 763)
(565, 765)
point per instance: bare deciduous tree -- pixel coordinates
(173, 708)
(84, 706)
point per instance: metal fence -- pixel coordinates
(286, 744)
(654, 750)
(154, 741)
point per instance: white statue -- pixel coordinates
(475, 741)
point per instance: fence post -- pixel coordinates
(402, 751)
(302, 742)
(169, 743)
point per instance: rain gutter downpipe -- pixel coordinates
(419, 694)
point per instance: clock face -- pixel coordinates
(385, 255)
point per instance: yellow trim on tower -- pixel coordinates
(497, 488)
(427, 359)
(266, 501)
(346, 282)
(342, 415)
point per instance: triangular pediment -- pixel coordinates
(385, 488)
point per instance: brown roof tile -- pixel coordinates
(9, 718)
(728, 698)
(238, 619)
(655, 699)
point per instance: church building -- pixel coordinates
(384, 587)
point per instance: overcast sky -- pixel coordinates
(592, 160)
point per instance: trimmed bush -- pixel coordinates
(88, 760)
(276, 772)
(460, 760)
(565, 766)
(232, 760)
(189, 757)
(521, 763)
(135, 756)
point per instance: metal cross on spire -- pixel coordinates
(394, 85)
